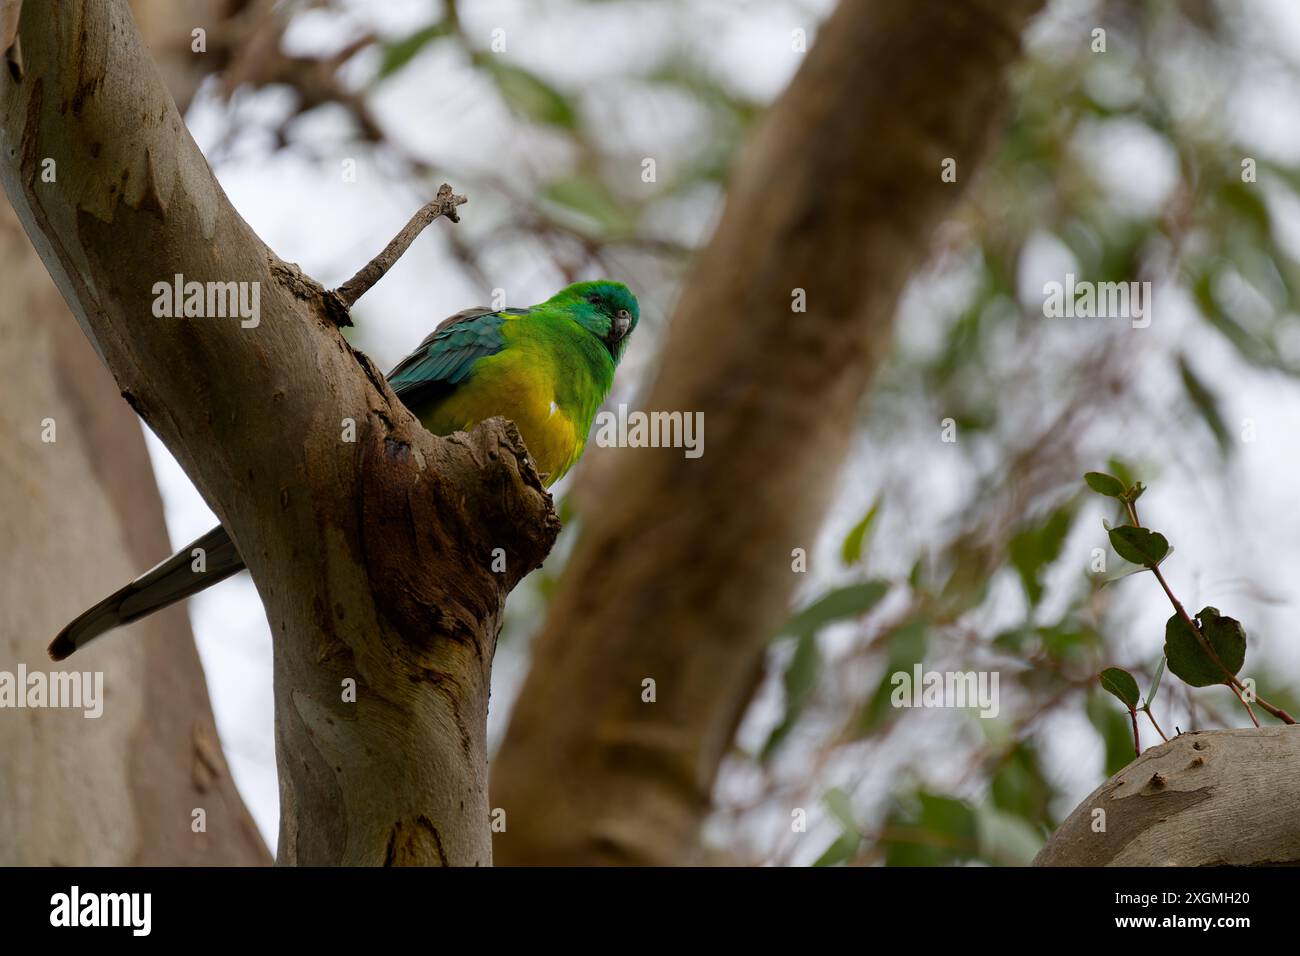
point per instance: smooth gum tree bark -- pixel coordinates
(371, 541)
(685, 568)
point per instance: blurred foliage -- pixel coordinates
(587, 212)
(1023, 393)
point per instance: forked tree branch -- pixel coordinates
(444, 204)
(370, 540)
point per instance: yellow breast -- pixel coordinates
(528, 401)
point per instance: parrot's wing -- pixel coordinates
(444, 359)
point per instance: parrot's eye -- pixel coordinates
(594, 299)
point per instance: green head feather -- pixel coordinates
(608, 310)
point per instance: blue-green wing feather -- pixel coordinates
(446, 358)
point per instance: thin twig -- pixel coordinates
(1232, 681)
(1253, 718)
(444, 204)
(1152, 717)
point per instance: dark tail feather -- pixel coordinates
(172, 581)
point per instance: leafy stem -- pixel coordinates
(1231, 679)
(1146, 709)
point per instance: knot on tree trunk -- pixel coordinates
(1206, 798)
(449, 526)
(440, 529)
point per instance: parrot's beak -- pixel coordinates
(621, 326)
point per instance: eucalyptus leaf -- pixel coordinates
(1105, 484)
(1155, 683)
(398, 53)
(1120, 683)
(529, 95)
(1139, 545)
(1122, 575)
(1205, 402)
(852, 601)
(590, 198)
(1187, 656)
(800, 678)
(851, 552)
(1122, 471)
(1035, 546)
(938, 831)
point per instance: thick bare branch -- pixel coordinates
(1207, 798)
(684, 579)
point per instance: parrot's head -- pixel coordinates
(608, 310)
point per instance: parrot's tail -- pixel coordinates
(173, 580)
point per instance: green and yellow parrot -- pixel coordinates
(547, 368)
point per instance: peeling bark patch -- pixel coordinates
(451, 691)
(151, 198)
(420, 844)
(299, 284)
(1127, 819)
(316, 817)
(89, 59)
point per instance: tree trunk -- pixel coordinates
(685, 569)
(371, 541)
(84, 515)
(1206, 798)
